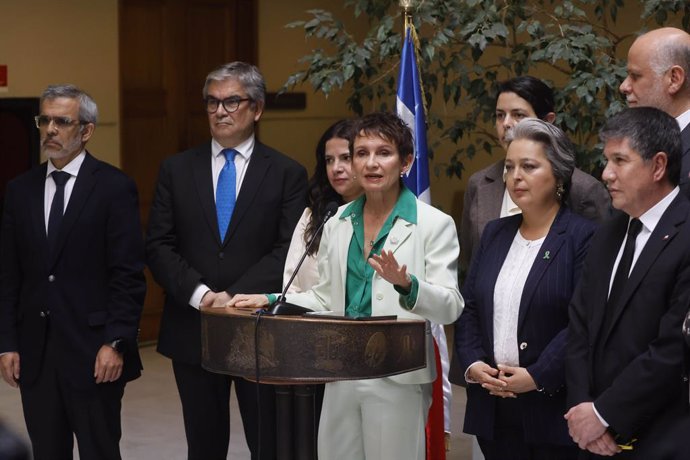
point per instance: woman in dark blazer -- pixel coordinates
(511, 337)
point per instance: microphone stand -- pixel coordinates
(282, 307)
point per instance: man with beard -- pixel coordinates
(71, 286)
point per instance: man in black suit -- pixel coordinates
(201, 252)
(71, 286)
(624, 366)
(659, 76)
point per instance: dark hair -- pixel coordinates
(533, 90)
(320, 191)
(557, 147)
(648, 131)
(388, 126)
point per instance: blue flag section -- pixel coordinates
(410, 107)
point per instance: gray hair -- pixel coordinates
(248, 75)
(558, 149)
(88, 111)
(671, 52)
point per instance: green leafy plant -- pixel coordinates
(468, 46)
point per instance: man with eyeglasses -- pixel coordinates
(659, 76)
(221, 223)
(71, 286)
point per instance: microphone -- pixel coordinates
(282, 307)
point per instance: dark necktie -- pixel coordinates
(57, 207)
(225, 192)
(624, 265)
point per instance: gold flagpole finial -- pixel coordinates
(407, 6)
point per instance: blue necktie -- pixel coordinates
(57, 207)
(225, 192)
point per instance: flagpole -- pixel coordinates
(407, 6)
(411, 106)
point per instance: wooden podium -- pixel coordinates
(308, 349)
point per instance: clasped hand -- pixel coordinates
(588, 432)
(503, 381)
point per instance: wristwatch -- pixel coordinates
(118, 345)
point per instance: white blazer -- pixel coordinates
(430, 250)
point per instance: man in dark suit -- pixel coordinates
(201, 252)
(624, 367)
(71, 286)
(659, 76)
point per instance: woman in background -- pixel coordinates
(332, 181)
(486, 197)
(510, 340)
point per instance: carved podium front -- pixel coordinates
(309, 349)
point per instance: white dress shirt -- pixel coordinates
(72, 168)
(683, 119)
(508, 207)
(507, 296)
(244, 150)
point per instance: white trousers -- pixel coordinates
(376, 419)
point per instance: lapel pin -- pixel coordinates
(394, 240)
(547, 255)
(665, 237)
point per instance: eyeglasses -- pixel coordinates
(230, 104)
(43, 121)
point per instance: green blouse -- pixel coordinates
(358, 282)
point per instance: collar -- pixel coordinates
(72, 167)
(244, 148)
(652, 216)
(683, 119)
(405, 208)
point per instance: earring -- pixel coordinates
(560, 190)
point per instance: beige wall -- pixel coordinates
(75, 41)
(68, 41)
(45, 42)
(294, 132)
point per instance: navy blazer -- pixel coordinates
(542, 323)
(90, 289)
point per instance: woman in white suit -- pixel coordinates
(386, 253)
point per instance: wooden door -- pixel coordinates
(167, 47)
